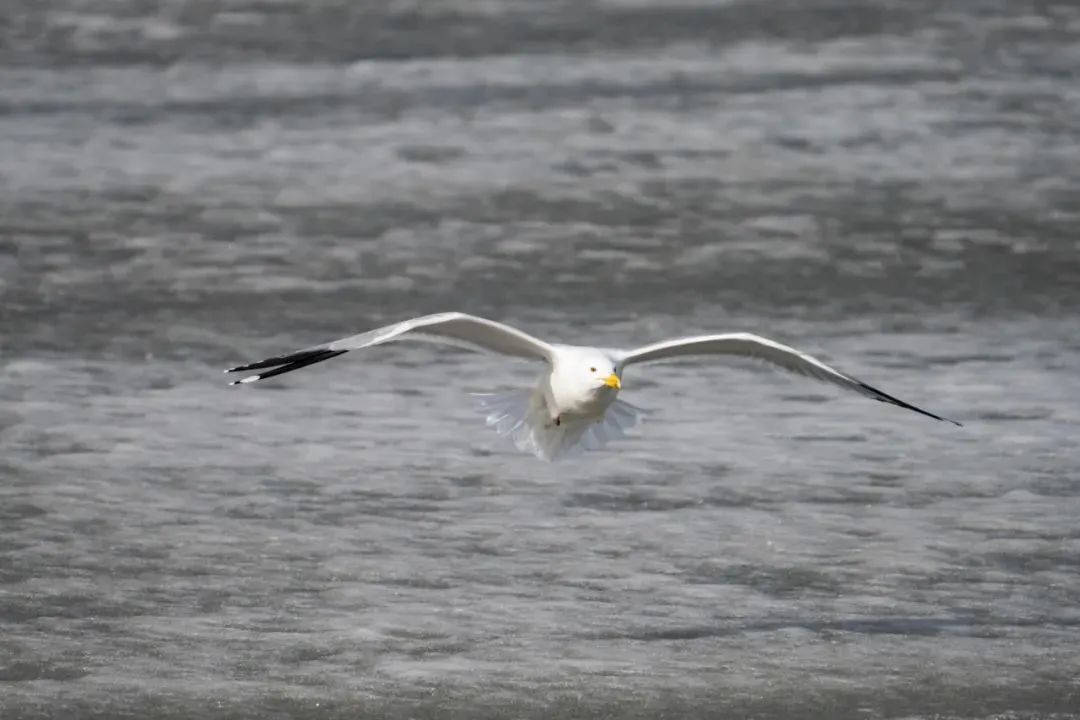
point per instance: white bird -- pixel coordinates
(574, 405)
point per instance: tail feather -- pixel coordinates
(624, 416)
(506, 413)
(522, 417)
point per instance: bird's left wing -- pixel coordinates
(754, 346)
(454, 328)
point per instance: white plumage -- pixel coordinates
(574, 405)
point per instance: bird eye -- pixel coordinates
(592, 369)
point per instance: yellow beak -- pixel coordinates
(612, 381)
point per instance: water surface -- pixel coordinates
(890, 185)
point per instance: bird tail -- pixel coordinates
(522, 417)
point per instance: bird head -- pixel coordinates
(593, 371)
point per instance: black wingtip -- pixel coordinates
(284, 363)
(886, 398)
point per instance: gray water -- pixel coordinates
(891, 185)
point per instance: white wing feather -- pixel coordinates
(755, 346)
(454, 328)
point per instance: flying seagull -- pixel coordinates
(574, 405)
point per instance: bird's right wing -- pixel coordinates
(755, 346)
(454, 328)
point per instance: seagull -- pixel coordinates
(574, 405)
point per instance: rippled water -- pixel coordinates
(890, 185)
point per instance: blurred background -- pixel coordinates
(892, 185)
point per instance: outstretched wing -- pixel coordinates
(452, 328)
(754, 346)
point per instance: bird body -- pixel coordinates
(570, 391)
(574, 405)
